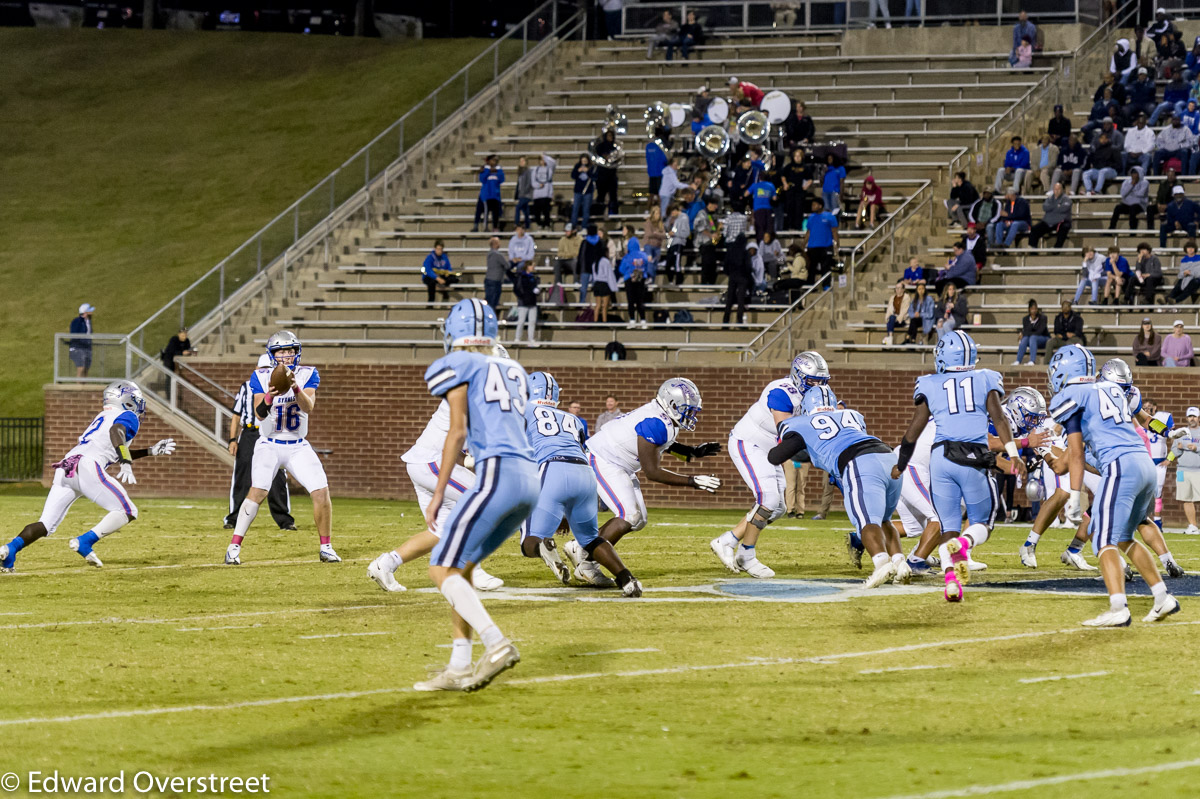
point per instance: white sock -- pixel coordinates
(114, 521)
(729, 539)
(978, 533)
(898, 558)
(245, 517)
(1166, 558)
(465, 601)
(1159, 590)
(1117, 601)
(1033, 537)
(460, 654)
(880, 559)
(391, 561)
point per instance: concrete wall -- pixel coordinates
(953, 39)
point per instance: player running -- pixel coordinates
(1096, 414)
(568, 488)
(487, 398)
(82, 473)
(283, 426)
(961, 399)
(862, 465)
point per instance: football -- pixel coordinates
(281, 379)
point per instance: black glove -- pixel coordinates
(704, 450)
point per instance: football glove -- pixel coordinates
(1180, 433)
(704, 450)
(125, 475)
(1074, 508)
(706, 482)
(164, 447)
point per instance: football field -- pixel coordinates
(711, 685)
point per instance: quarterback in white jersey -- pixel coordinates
(282, 444)
(82, 474)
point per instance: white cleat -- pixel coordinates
(726, 554)
(632, 589)
(93, 559)
(1110, 618)
(1075, 561)
(880, 575)
(445, 680)
(549, 553)
(482, 581)
(495, 660)
(1192, 530)
(1169, 605)
(589, 572)
(903, 575)
(327, 555)
(575, 552)
(975, 565)
(1028, 556)
(233, 555)
(755, 568)
(382, 577)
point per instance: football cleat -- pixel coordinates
(854, 549)
(574, 552)
(755, 567)
(447, 679)
(975, 565)
(482, 581)
(549, 553)
(83, 545)
(8, 559)
(1028, 556)
(934, 561)
(327, 555)
(954, 589)
(904, 573)
(955, 555)
(1159, 612)
(588, 571)
(726, 554)
(632, 589)
(880, 575)
(384, 578)
(917, 568)
(233, 555)
(496, 660)
(1075, 561)
(1174, 569)
(1128, 573)
(1110, 618)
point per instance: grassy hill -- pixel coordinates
(133, 161)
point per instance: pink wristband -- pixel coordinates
(268, 399)
(1023, 443)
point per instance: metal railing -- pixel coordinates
(21, 448)
(760, 344)
(885, 231)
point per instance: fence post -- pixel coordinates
(56, 349)
(182, 310)
(222, 292)
(524, 40)
(128, 361)
(332, 197)
(554, 14)
(745, 16)
(296, 224)
(259, 255)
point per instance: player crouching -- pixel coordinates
(82, 473)
(284, 396)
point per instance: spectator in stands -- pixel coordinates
(745, 94)
(823, 241)
(1071, 159)
(1190, 113)
(738, 182)
(612, 409)
(654, 235)
(80, 349)
(798, 129)
(1175, 97)
(1110, 126)
(493, 279)
(521, 249)
(670, 184)
(543, 190)
(612, 17)
(1177, 348)
(922, 312)
(785, 12)
(1056, 219)
(566, 256)
(796, 179)
(524, 192)
(1116, 89)
(1015, 219)
(960, 270)
(1034, 335)
(976, 244)
(1174, 142)
(704, 234)
(914, 275)
(1162, 25)
(1016, 166)
(1180, 218)
(436, 272)
(1068, 329)
(638, 272)
(691, 34)
(962, 196)
(1104, 163)
(1024, 29)
(1135, 199)
(606, 176)
(1091, 273)
(1145, 277)
(604, 288)
(525, 287)
(952, 310)
(895, 310)
(177, 345)
(1123, 63)
(1143, 95)
(1185, 449)
(831, 184)
(758, 272)
(1043, 161)
(1162, 197)
(1024, 54)
(584, 175)
(870, 201)
(878, 7)
(1102, 109)
(984, 210)
(772, 254)
(491, 176)
(678, 233)
(1192, 59)
(1147, 345)
(1116, 272)
(1139, 144)
(1059, 127)
(656, 162)
(1187, 283)
(591, 250)
(762, 195)
(739, 268)
(666, 34)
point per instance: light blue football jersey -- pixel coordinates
(958, 402)
(1104, 416)
(827, 435)
(552, 433)
(497, 396)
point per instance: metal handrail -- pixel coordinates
(887, 229)
(750, 349)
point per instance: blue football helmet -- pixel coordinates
(470, 323)
(1071, 364)
(680, 399)
(283, 340)
(809, 369)
(125, 394)
(818, 399)
(543, 389)
(955, 352)
(1025, 408)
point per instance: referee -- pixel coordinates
(243, 435)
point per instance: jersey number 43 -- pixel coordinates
(495, 389)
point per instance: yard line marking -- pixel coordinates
(1024, 785)
(225, 627)
(161, 566)
(616, 652)
(745, 664)
(905, 668)
(342, 635)
(1057, 677)
(185, 619)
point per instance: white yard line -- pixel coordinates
(1057, 677)
(185, 619)
(342, 635)
(616, 652)
(905, 668)
(224, 627)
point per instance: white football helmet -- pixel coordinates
(680, 399)
(809, 369)
(284, 340)
(125, 394)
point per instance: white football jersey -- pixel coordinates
(96, 441)
(617, 441)
(1158, 445)
(429, 445)
(922, 451)
(286, 421)
(758, 425)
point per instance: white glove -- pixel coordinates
(164, 447)
(1179, 432)
(469, 461)
(1074, 508)
(126, 474)
(706, 482)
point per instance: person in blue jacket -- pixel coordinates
(656, 162)
(436, 272)
(584, 175)
(491, 177)
(638, 272)
(1016, 166)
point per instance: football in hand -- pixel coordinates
(281, 379)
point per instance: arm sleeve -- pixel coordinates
(1073, 424)
(788, 448)
(778, 400)
(653, 430)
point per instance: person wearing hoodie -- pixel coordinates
(1100, 110)
(984, 210)
(584, 175)
(1180, 218)
(524, 194)
(543, 189)
(1103, 165)
(1056, 218)
(656, 162)
(1123, 63)
(1135, 199)
(1091, 273)
(1190, 114)
(1139, 144)
(491, 176)
(1146, 277)
(591, 250)
(1175, 94)
(1016, 166)
(638, 272)
(1014, 219)
(1071, 158)
(1059, 127)
(1174, 141)
(670, 184)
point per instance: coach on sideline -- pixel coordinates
(243, 435)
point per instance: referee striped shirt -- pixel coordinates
(242, 405)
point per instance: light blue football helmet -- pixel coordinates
(1025, 408)
(543, 389)
(809, 369)
(818, 399)
(955, 352)
(1071, 364)
(470, 323)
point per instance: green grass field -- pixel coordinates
(166, 662)
(135, 161)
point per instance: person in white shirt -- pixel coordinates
(521, 248)
(1091, 273)
(543, 190)
(1139, 144)
(670, 184)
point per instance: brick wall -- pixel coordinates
(368, 414)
